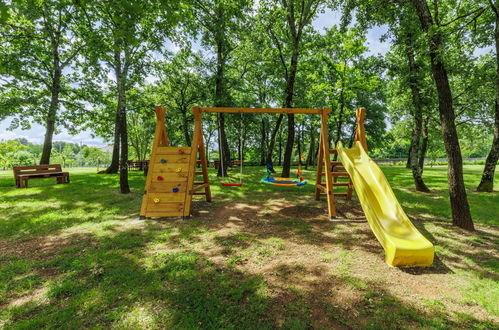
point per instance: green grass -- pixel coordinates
(75, 256)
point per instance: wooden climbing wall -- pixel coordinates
(170, 181)
(168, 173)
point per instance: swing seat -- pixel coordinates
(284, 182)
(226, 184)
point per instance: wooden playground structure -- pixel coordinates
(177, 173)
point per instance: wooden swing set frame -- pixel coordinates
(159, 201)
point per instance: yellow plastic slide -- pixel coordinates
(403, 243)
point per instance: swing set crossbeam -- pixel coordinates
(307, 111)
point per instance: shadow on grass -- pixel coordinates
(121, 282)
(45, 208)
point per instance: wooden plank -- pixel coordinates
(159, 187)
(198, 188)
(321, 187)
(164, 209)
(159, 134)
(320, 165)
(264, 110)
(30, 172)
(197, 136)
(327, 164)
(165, 197)
(171, 159)
(169, 177)
(337, 174)
(360, 132)
(341, 184)
(163, 214)
(43, 173)
(333, 151)
(173, 150)
(169, 168)
(204, 167)
(41, 167)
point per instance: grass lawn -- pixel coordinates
(76, 256)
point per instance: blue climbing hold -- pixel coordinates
(175, 190)
(162, 160)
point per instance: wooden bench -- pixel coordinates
(24, 173)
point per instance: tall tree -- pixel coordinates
(221, 22)
(288, 39)
(461, 214)
(487, 181)
(40, 42)
(122, 34)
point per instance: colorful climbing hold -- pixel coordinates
(178, 169)
(162, 160)
(180, 151)
(156, 200)
(160, 178)
(175, 190)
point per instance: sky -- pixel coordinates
(36, 133)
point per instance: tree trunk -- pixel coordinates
(280, 147)
(461, 214)
(409, 153)
(290, 86)
(263, 137)
(418, 117)
(487, 182)
(115, 158)
(299, 142)
(220, 101)
(52, 113)
(339, 122)
(311, 148)
(122, 124)
(424, 143)
(185, 127)
(270, 151)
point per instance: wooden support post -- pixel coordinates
(327, 163)
(320, 165)
(196, 136)
(202, 156)
(360, 132)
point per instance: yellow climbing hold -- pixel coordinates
(156, 200)
(178, 170)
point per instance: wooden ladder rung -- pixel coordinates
(341, 184)
(340, 173)
(196, 188)
(199, 193)
(337, 174)
(336, 163)
(333, 151)
(341, 194)
(199, 182)
(321, 187)
(198, 172)
(198, 161)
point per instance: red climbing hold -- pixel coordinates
(160, 178)
(180, 151)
